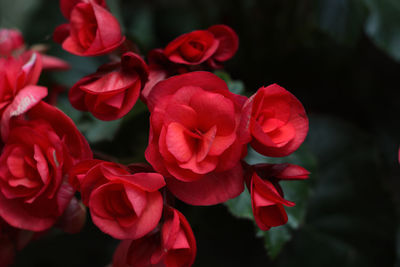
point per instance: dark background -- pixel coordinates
(339, 57)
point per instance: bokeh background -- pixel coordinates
(341, 58)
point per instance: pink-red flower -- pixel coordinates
(113, 90)
(19, 92)
(36, 156)
(10, 41)
(92, 30)
(172, 246)
(267, 196)
(160, 68)
(277, 121)
(214, 45)
(122, 204)
(195, 137)
(12, 44)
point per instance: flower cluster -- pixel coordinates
(198, 139)
(39, 144)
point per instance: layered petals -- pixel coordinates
(173, 245)
(266, 194)
(267, 204)
(18, 78)
(214, 45)
(195, 137)
(33, 164)
(278, 123)
(212, 189)
(10, 41)
(112, 91)
(123, 205)
(92, 30)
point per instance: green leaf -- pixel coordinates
(94, 129)
(141, 27)
(115, 8)
(241, 206)
(345, 20)
(16, 13)
(350, 219)
(235, 86)
(275, 239)
(342, 19)
(383, 25)
(223, 75)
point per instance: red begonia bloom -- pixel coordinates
(12, 44)
(177, 239)
(92, 30)
(19, 92)
(278, 122)
(160, 68)
(53, 63)
(36, 157)
(123, 205)
(187, 53)
(214, 45)
(113, 90)
(172, 246)
(142, 252)
(195, 137)
(10, 40)
(267, 196)
(267, 204)
(66, 6)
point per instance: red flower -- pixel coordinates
(12, 44)
(113, 90)
(10, 40)
(66, 6)
(19, 92)
(278, 122)
(195, 137)
(177, 239)
(215, 45)
(266, 195)
(173, 246)
(123, 205)
(160, 68)
(36, 156)
(92, 30)
(54, 63)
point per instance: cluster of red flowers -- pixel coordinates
(40, 145)
(199, 133)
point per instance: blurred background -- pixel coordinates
(341, 58)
